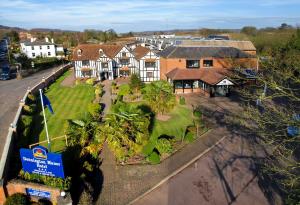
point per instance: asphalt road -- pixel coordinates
(11, 92)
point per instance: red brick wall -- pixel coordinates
(19, 186)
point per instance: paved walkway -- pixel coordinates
(11, 92)
(106, 98)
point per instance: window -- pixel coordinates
(48, 47)
(49, 53)
(85, 63)
(104, 65)
(192, 64)
(150, 64)
(33, 54)
(79, 52)
(178, 84)
(207, 63)
(124, 61)
(40, 47)
(32, 47)
(101, 52)
(41, 54)
(149, 74)
(124, 54)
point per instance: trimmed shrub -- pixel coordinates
(90, 81)
(31, 98)
(163, 146)
(94, 109)
(197, 113)
(154, 158)
(63, 184)
(27, 110)
(17, 199)
(148, 148)
(25, 121)
(124, 90)
(182, 100)
(77, 82)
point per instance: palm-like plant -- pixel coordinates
(126, 130)
(159, 95)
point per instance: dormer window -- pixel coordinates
(79, 52)
(101, 53)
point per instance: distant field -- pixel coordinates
(67, 103)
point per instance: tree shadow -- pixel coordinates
(146, 109)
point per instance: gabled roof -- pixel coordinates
(91, 51)
(140, 52)
(209, 75)
(241, 45)
(196, 52)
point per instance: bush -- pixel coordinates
(25, 122)
(28, 110)
(17, 199)
(124, 90)
(90, 81)
(197, 113)
(77, 82)
(182, 100)
(86, 198)
(163, 146)
(148, 148)
(99, 90)
(154, 158)
(31, 98)
(94, 109)
(189, 137)
(63, 184)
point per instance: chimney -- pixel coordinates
(46, 39)
(52, 40)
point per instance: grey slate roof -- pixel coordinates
(37, 43)
(196, 52)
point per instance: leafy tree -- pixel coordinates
(135, 83)
(277, 97)
(13, 36)
(249, 30)
(159, 95)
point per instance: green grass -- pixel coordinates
(67, 103)
(181, 117)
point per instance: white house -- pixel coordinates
(148, 64)
(97, 61)
(35, 48)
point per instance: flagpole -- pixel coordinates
(47, 135)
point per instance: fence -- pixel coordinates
(12, 132)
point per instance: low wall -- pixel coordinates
(20, 186)
(12, 134)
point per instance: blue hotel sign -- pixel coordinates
(39, 161)
(38, 193)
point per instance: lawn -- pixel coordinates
(67, 103)
(181, 117)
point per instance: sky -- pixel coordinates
(148, 15)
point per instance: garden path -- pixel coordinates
(106, 98)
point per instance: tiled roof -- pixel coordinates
(196, 52)
(140, 52)
(241, 45)
(91, 51)
(211, 76)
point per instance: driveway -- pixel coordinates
(11, 92)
